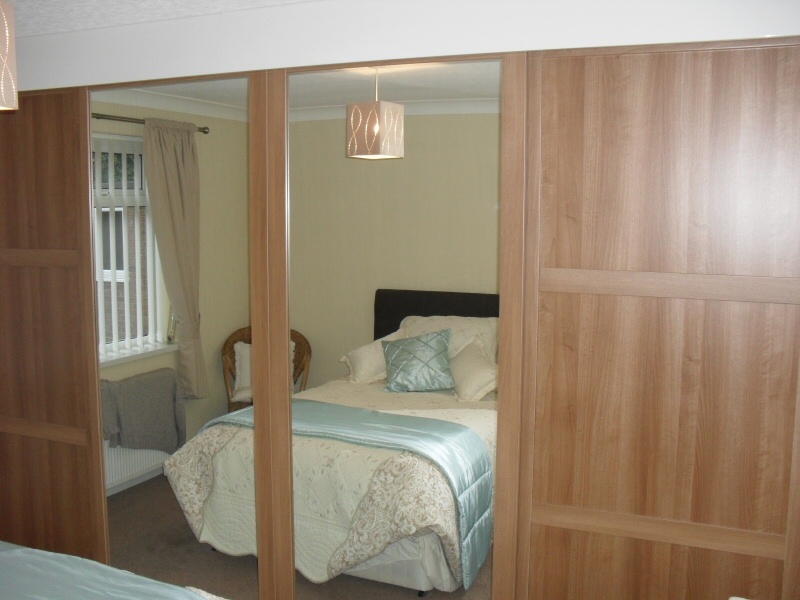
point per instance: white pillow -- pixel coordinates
(367, 364)
(242, 388)
(474, 374)
(462, 331)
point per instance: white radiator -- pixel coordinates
(125, 467)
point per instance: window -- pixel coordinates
(119, 273)
(127, 269)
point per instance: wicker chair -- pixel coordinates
(300, 366)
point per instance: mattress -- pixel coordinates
(349, 515)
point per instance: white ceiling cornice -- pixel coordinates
(179, 104)
(460, 87)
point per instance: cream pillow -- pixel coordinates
(463, 330)
(474, 374)
(367, 364)
(242, 388)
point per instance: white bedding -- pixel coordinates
(351, 502)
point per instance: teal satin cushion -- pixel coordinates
(419, 364)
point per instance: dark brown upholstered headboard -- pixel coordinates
(392, 306)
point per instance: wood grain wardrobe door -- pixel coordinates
(669, 325)
(52, 494)
(269, 290)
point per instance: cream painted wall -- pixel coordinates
(427, 221)
(224, 262)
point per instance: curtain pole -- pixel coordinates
(133, 120)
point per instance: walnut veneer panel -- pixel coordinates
(51, 463)
(516, 221)
(47, 498)
(45, 136)
(574, 565)
(669, 325)
(680, 409)
(40, 362)
(673, 161)
(270, 328)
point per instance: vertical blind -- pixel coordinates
(126, 262)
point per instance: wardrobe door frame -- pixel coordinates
(269, 288)
(50, 415)
(572, 529)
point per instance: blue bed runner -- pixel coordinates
(458, 451)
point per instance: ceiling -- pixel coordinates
(43, 17)
(470, 86)
(427, 88)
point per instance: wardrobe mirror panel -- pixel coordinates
(428, 222)
(134, 308)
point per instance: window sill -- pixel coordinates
(147, 351)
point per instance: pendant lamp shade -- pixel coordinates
(375, 130)
(8, 58)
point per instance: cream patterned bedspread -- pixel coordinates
(350, 501)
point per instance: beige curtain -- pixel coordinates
(173, 184)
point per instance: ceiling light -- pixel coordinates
(8, 58)
(375, 129)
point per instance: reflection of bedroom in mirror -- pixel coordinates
(144, 420)
(428, 223)
(425, 224)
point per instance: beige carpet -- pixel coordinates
(150, 537)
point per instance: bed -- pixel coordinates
(400, 514)
(29, 573)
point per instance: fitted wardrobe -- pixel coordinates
(648, 441)
(659, 426)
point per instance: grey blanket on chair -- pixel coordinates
(144, 411)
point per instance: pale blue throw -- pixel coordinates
(458, 451)
(27, 573)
